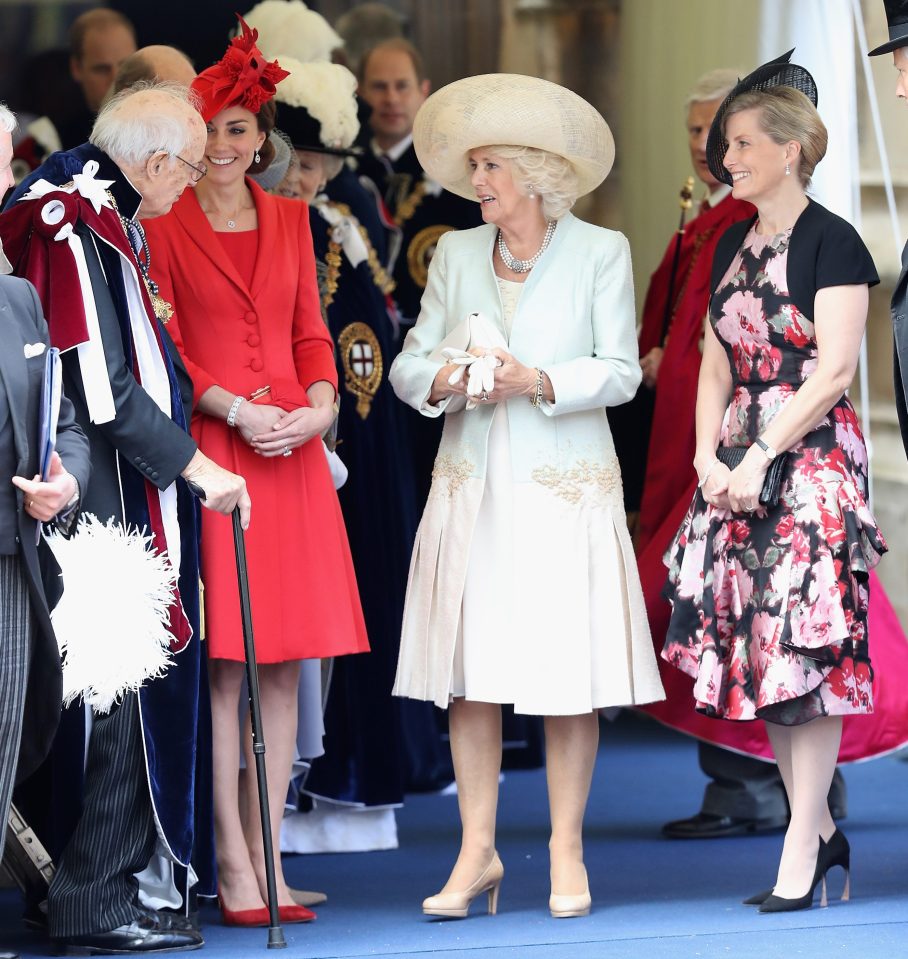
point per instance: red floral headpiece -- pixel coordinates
(242, 77)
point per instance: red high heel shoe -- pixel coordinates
(245, 917)
(293, 914)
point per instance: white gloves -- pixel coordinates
(480, 372)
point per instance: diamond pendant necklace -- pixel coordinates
(524, 266)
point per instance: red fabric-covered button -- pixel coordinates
(253, 339)
(257, 365)
(251, 318)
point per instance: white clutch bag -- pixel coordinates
(476, 331)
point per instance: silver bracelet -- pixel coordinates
(234, 409)
(709, 469)
(536, 398)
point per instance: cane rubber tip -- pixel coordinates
(276, 938)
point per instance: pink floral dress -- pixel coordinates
(769, 609)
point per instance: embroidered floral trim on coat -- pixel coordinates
(455, 472)
(596, 484)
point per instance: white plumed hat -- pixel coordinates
(290, 28)
(317, 106)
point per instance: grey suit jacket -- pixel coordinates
(899, 310)
(21, 323)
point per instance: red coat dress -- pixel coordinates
(242, 337)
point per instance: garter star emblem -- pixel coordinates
(422, 249)
(363, 364)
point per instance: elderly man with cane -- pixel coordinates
(84, 244)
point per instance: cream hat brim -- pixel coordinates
(508, 109)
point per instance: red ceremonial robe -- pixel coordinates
(669, 464)
(669, 488)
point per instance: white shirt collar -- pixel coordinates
(718, 195)
(395, 152)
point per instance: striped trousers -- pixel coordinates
(94, 889)
(15, 652)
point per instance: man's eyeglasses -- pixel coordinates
(197, 171)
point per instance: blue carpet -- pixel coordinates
(652, 898)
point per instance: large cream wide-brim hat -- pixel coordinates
(508, 109)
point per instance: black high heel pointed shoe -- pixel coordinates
(835, 852)
(758, 899)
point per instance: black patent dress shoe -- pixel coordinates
(150, 933)
(708, 826)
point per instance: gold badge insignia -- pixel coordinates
(422, 249)
(363, 364)
(162, 309)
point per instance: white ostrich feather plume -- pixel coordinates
(110, 622)
(327, 92)
(289, 27)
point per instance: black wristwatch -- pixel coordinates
(770, 451)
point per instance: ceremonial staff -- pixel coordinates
(687, 191)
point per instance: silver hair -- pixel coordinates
(133, 138)
(8, 120)
(715, 85)
(548, 175)
(366, 26)
(332, 165)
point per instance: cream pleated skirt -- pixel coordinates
(543, 608)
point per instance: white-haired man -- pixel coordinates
(140, 778)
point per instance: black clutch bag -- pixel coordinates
(731, 457)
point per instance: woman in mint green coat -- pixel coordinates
(523, 587)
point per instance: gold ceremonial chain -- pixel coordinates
(379, 276)
(162, 309)
(334, 261)
(409, 204)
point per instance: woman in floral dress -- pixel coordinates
(770, 602)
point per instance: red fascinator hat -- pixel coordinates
(242, 77)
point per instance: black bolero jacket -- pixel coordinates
(824, 251)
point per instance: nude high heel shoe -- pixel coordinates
(569, 907)
(456, 905)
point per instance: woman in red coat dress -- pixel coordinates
(238, 268)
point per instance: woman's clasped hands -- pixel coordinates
(738, 489)
(499, 377)
(271, 431)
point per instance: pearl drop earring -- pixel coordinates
(787, 170)
(531, 193)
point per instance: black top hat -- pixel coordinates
(897, 15)
(777, 73)
(304, 132)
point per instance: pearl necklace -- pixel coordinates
(524, 266)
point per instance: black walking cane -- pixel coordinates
(275, 933)
(276, 938)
